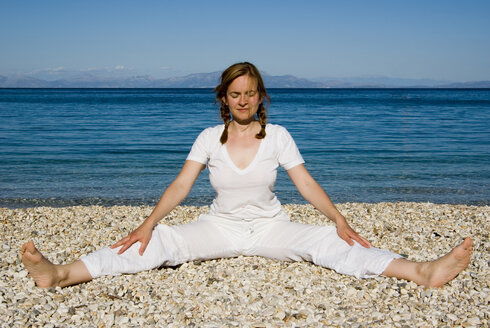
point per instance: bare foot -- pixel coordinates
(44, 272)
(442, 270)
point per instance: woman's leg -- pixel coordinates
(169, 246)
(433, 273)
(322, 246)
(163, 249)
(47, 274)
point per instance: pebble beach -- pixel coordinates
(246, 291)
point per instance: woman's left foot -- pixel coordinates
(443, 270)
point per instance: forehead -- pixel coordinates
(243, 83)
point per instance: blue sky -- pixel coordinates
(443, 40)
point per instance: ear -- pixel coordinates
(223, 99)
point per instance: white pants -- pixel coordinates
(213, 237)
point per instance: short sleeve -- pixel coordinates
(288, 155)
(199, 151)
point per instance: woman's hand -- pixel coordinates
(313, 193)
(141, 234)
(348, 234)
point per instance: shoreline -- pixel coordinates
(20, 203)
(247, 291)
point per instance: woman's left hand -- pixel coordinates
(349, 235)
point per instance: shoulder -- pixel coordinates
(213, 131)
(277, 131)
(278, 137)
(205, 144)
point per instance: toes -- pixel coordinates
(30, 247)
(466, 245)
(27, 247)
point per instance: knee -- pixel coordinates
(357, 260)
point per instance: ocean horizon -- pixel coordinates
(63, 147)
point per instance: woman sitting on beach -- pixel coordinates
(245, 217)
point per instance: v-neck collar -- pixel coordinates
(250, 166)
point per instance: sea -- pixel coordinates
(63, 147)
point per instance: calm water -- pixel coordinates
(113, 146)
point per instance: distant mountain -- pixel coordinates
(210, 80)
(199, 80)
(472, 85)
(21, 81)
(289, 81)
(378, 82)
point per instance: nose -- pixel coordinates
(243, 100)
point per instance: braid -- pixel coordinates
(262, 120)
(225, 115)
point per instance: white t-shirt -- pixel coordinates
(248, 193)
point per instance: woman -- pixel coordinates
(245, 217)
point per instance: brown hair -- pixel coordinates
(227, 77)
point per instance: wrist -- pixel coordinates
(340, 220)
(150, 222)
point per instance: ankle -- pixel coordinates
(422, 273)
(61, 275)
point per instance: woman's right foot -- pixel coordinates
(44, 273)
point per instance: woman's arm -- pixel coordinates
(316, 196)
(176, 192)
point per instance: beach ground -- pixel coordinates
(246, 291)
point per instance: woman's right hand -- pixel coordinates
(141, 234)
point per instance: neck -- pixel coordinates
(243, 127)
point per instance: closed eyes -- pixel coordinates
(250, 93)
